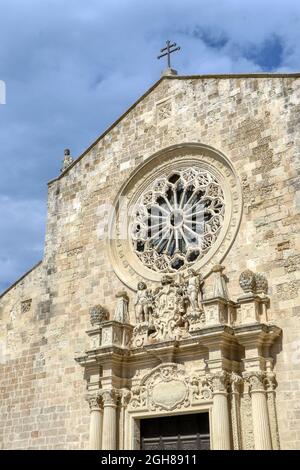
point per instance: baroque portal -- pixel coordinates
(185, 346)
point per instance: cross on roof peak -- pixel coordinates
(167, 51)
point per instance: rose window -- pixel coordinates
(177, 219)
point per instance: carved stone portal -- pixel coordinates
(186, 353)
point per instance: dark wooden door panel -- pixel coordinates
(183, 432)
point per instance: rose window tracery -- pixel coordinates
(177, 219)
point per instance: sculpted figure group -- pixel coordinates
(171, 309)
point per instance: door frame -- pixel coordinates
(132, 429)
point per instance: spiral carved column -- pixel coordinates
(260, 415)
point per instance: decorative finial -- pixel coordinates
(167, 51)
(247, 281)
(98, 314)
(67, 160)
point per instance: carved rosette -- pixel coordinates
(95, 402)
(255, 380)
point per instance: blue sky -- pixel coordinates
(72, 67)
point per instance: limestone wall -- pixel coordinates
(255, 123)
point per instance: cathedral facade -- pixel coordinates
(165, 312)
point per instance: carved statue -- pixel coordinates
(171, 311)
(142, 303)
(194, 289)
(163, 292)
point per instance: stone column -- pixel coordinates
(95, 403)
(220, 412)
(109, 440)
(260, 415)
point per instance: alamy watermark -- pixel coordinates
(2, 92)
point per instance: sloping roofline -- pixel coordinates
(165, 77)
(172, 77)
(20, 279)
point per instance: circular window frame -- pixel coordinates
(126, 264)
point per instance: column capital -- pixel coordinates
(235, 382)
(256, 380)
(270, 381)
(124, 396)
(219, 381)
(95, 402)
(109, 397)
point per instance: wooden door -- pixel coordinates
(183, 432)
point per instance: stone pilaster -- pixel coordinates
(220, 412)
(270, 384)
(125, 396)
(260, 415)
(235, 389)
(96, 418)
(109, 441)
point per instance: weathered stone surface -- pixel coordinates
(255, 123)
